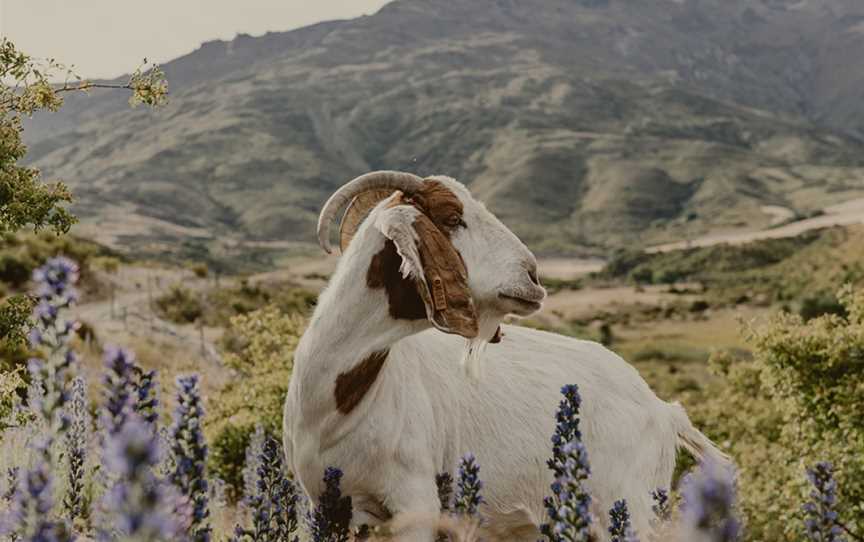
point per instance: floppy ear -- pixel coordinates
(433, 264)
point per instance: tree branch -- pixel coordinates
(849, 532)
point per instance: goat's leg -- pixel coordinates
(416, 509)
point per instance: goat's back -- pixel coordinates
(507, 418)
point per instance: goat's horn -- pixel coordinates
(397, 180)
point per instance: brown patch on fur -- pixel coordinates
(352, 386)
(447, 279)
(404, 301)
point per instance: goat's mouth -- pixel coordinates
(520, 305)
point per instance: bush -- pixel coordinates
(554, 285)
(260, 348)
(10, 383)
(228, 456)
(819, 304)
(797, 402)
(218, 306)
(643, 275)
(200, 270)
(180, 305)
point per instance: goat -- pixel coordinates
(377, 389)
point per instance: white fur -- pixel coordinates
(422, 414)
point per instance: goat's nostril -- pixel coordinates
(532, 274)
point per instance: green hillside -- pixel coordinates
(584, 125)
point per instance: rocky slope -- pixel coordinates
(583, 123)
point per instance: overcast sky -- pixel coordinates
(106, 38)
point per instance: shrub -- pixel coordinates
(180, 305)
(200, 270)
(797, 402)
(217, 306)
(261, 352)
(10, 383)
(816, 305)
(554, 285)
(228, 456)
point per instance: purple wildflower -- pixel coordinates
(662, 507)
(117, 382)
(444, 482)
(620, 529)
(145, 394)
(139, 506)
(11, 483)
(55, 288)
(28, 516)
(274, 502)
(329, 521)
(56, 281)
(568, 506)
(709, 501)
(467, 499)
(190, 455)
(821, 521)
(252, 464)
(76, 440)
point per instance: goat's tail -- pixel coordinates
(692, 440)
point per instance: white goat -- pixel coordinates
(378, 391)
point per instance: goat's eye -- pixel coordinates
(455, 221)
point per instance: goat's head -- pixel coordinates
(444, 258)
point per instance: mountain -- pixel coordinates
(584, 124)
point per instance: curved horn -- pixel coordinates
(397, 180)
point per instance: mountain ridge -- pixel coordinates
(584, 125)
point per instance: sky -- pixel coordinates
(107, 38)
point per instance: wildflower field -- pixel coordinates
(110, 470)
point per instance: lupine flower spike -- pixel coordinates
(821, 521)
(29, 516)
(11, 483)
(146, 402)
(55, 291)
(444, 482)
(662, 508)
(139, 507)
(252, 463)
(467, 500)
(708, 507)
(331, 518)
(568, 507)
(118, 385)
(190, 455)
(77, 439)
(620, 529)
(274, 501)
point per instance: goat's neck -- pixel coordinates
(350, 322)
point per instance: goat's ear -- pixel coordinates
(431, 261)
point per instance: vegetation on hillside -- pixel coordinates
(801, 273)
(217, 306)
(260, 350)
(653, 127)
(799, 399)
(158, 488)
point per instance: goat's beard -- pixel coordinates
(472, 358)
